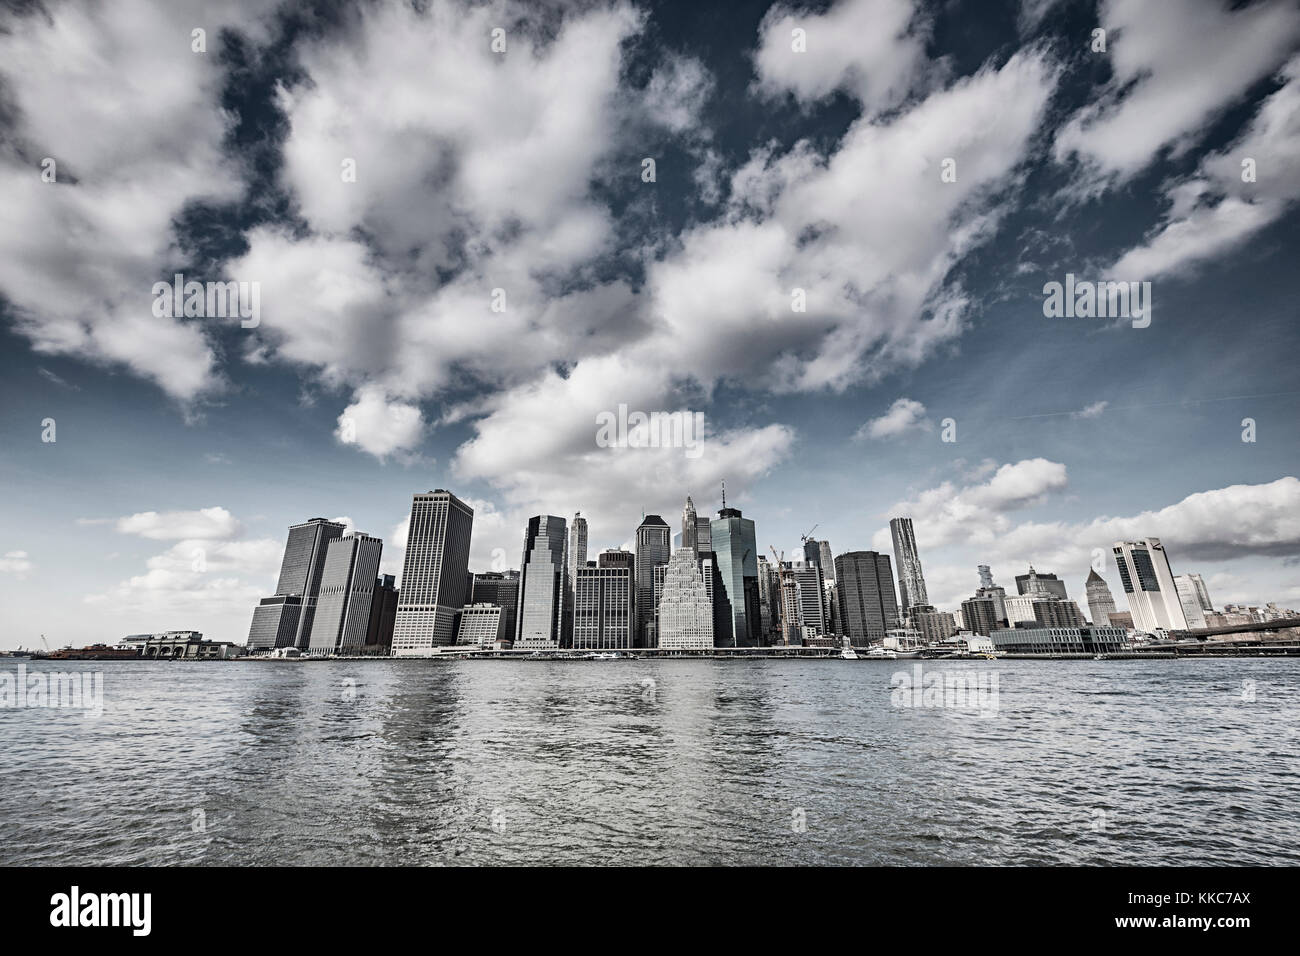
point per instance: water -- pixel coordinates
(663, 762)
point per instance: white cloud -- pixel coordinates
(16, 563)
(206, 524)
(379, 426)
(1091, 411)
(905, 415)
(1175, 66)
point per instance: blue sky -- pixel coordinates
(185, 447)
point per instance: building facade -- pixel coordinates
(911, 581)
(544, 609)
(433, 574)
(1100, 603)
(736, 548)
(653, 548)
(285, 620)
(868, 606)
(346, 590)
(1148, 581)
(685, 609)
(603, 613)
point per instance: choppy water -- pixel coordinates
(631, 762)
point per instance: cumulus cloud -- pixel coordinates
(379, 426)
(1093, 410)
(905, 415)
(1175, 67)
(205, 524)
(16, 563)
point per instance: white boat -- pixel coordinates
(878, 653)
(847, 653)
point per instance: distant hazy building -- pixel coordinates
(603, 612)
(1149, 584)
(1036, 582)
(433, 573)
(736, 548)
(1197, 584)
(690, 527)
(1042, 608)
(768, 594)
(482, 625)
(1100, 603)
(285, 620)
(864, 583)
(543, 594)
(911, 582)
(653, 548)
(685, 610)
(346, 590)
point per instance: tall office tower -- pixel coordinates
(383, 615)
(864, 583)
(502, 589)
(703, 533)
(347, 587)
(1042, 607)
(993, 592)
(723, 622)
(911, 582)
(1037, 582)
(282, 621)
(1190, 601)
(979, 615)
(543, 593)
(736, 548)
(690, 527)
(834, 624)
(827, 561)
(1149, 584)
(768, 592)
(577, 545)
(791, 630)
(1202, 592)
(603, 617)
(653, 546)
(1100, 603)
(433, 574)
(812, 552)
(685, 610)
(932, 624)
(812, 599)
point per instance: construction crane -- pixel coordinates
(804, 537)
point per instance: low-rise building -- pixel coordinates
(1059, 640)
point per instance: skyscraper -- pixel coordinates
(1100, 603)
(1039, 582)
(433, 573)
(543, 592)
(653, 547)
(864, 584)
(812, 599)
(383, 615)
(827, 561)
(1149, 584)
(736, 548)
(502, 589)
(996, 593)
(347, 588)
(285, 620)
(1197, 584)
(603, 617)
(979, 615)
(690, 527)
(685, 609)
(577, 546)
(911, 582)
(1190, 601)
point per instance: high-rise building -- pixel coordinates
(577, 546)
(543, 593)
(346, 590)
(603, 613)
(1037, 582)
(934, 625)
(979, 615)
(653, 547)
(864, 584)
(280, 621)
(736, 548)
(1100, 603)
(383, 615)
(1043, 608)
(1197, 584)
(481, 625)
(769, 593)
(685, 609)
(703, 533)
(433, 574)
(911, 581)
(812, 598)
(812, 552)
(1190, 600)
(690, 527)
(502, 589)
(827, 561)
(1149, 584)
(994, 592)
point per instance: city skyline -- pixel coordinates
(152, 458)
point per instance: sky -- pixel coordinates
(462, 261)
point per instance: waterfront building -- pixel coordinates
(433, 574)
(994, 592)
(653, 548)
(736, 548)
(544, 608)
(346, 590)
(604, 613)
(934, 625)
(1042, 608)
(1100, 603)
(1148, 581)
(685, 609)
(1060, 640)
(502, 589)
(911, 581)
(810, 588)
(483, 626)
(383, 615)
(979, 615)
(868, 605)
(285, 619)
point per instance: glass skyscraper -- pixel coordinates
(544, 609)
(737, 554)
